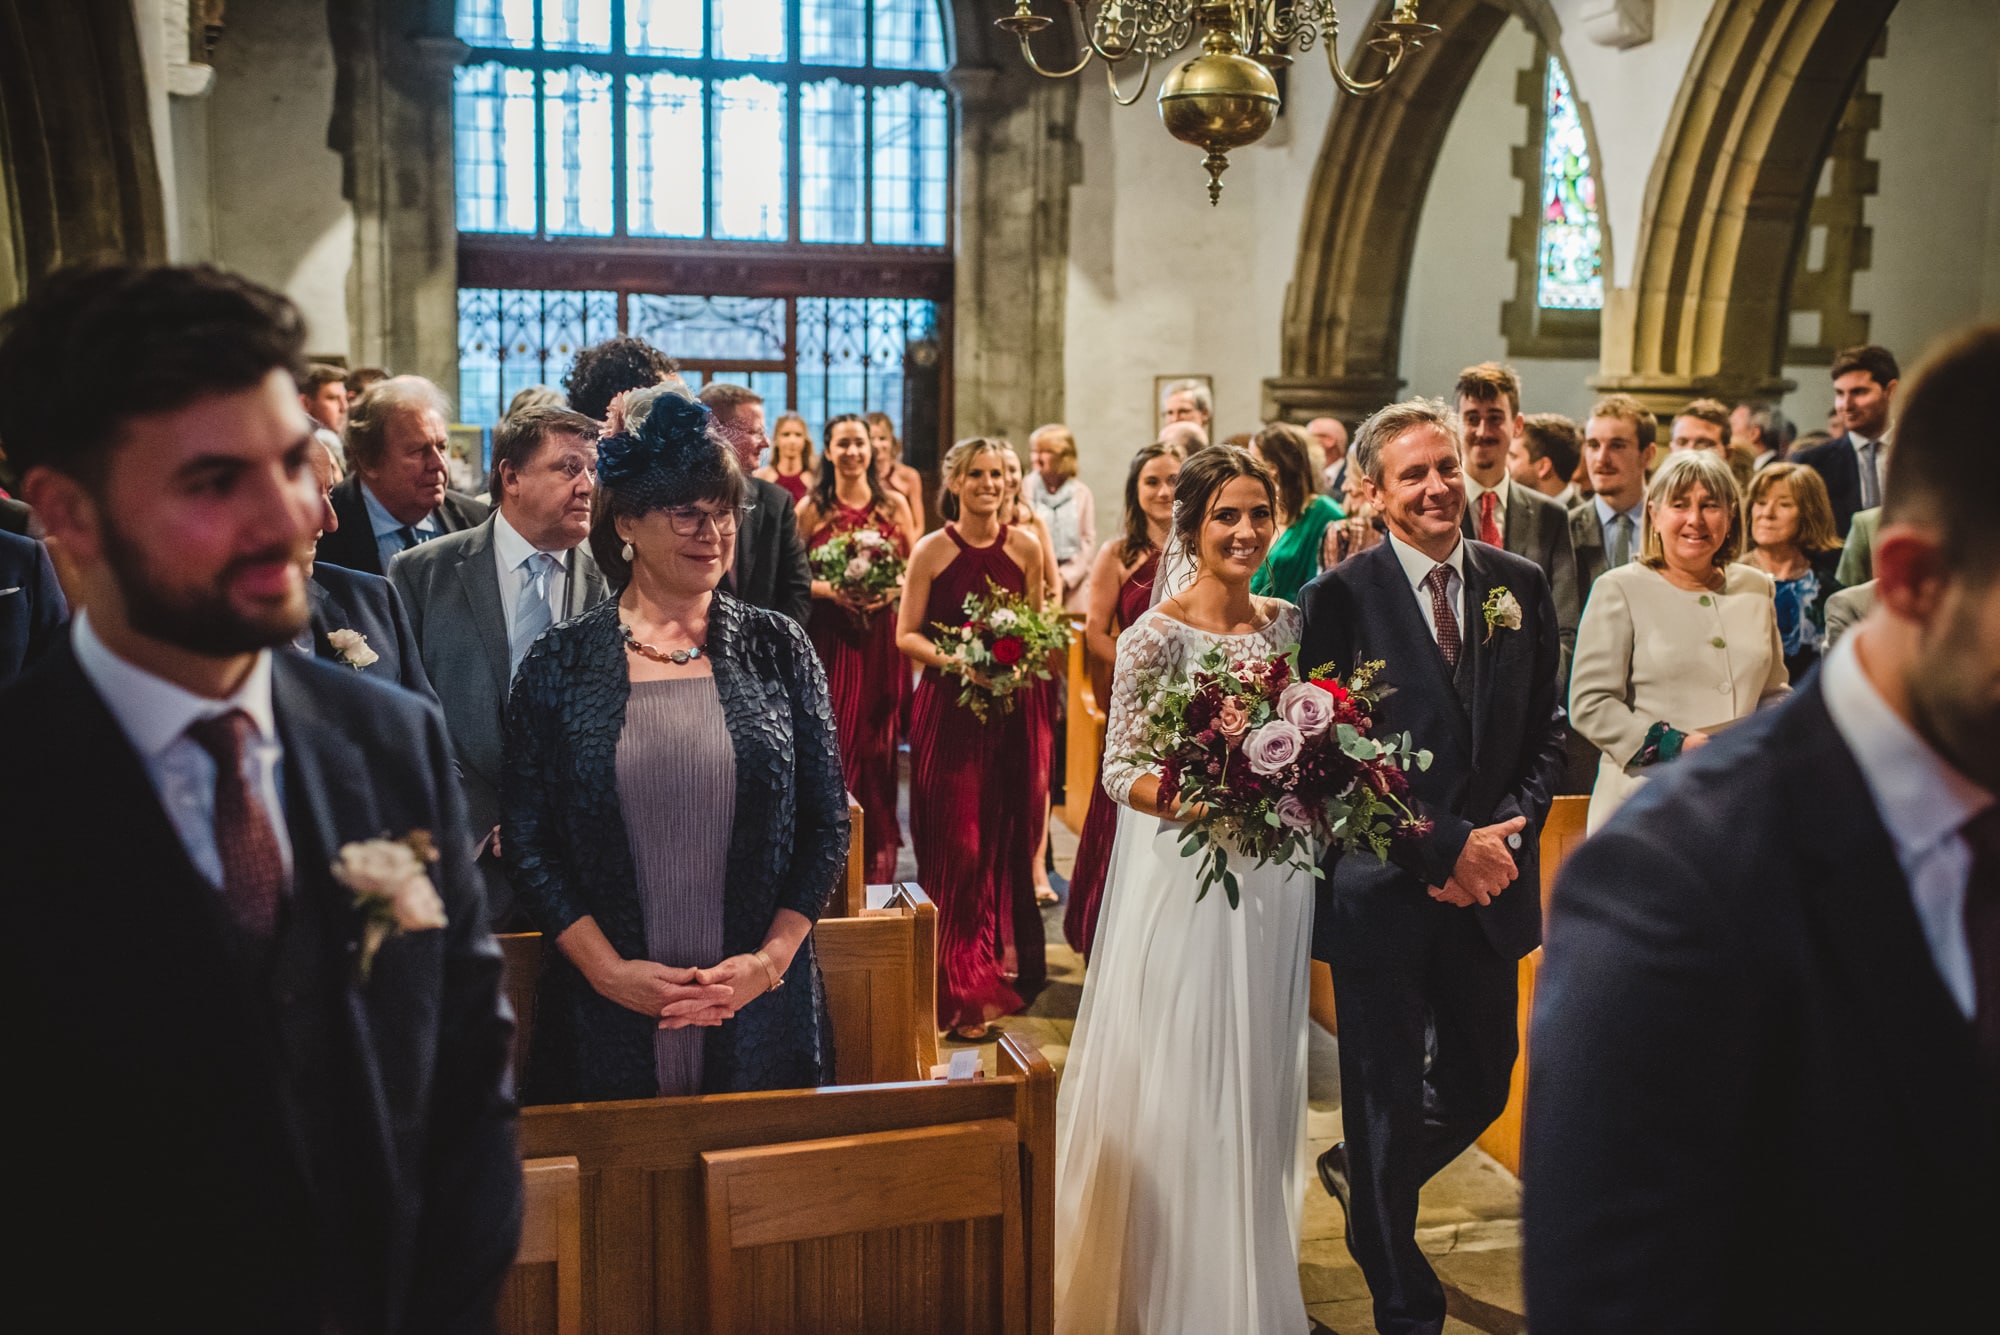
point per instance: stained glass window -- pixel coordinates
(731, 110)
(1569, 254)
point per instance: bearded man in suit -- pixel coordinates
(1423, 947)
(1782, 958)
(478, 599)
(248, 1110)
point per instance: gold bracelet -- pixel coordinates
(770, 971)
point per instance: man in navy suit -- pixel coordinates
(240, 1111)
(1423, 948)
(1853, 464)
(32, 610)
(1766, 1091)
(395, 499)
(345, 603)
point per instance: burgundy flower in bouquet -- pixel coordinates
(1271, 765)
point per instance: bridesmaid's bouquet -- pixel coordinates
(1268, 764)
(1007, 642)
(862, 561)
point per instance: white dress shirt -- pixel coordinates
(1473, 491)
(155, 715)
(1923, 802)
(1418, 567)
(512, 552)
(388, 529)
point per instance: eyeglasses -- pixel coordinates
(686, 521)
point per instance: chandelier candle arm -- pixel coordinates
(1224, 98)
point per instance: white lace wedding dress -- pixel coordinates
(1180, 1125)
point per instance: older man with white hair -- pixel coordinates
(395, 497)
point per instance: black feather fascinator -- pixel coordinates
(673, 459)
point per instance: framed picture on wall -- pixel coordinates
(1161, 384)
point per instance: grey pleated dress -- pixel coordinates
(677, 793)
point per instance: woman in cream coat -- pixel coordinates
(1679, 643)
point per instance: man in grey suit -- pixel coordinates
(479, 598)
(1500, 511)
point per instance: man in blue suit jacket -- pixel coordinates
(353, 600)
(1766, 1091)
(247, 1112)
(32, 610)
(1423, 947)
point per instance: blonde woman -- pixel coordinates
(1792, 539)
(1679, 643)
(1067, 509)
(791, 465)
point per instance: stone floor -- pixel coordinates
(1469, 1222)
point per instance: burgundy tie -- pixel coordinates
(1489, 529)
(1447, 620)
(253, 866)
(1982, 933)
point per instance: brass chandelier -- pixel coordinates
(1225, 97)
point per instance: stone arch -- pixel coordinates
(78, 179)
(1729, 197)
(1343, 323)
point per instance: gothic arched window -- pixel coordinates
(1558, 237)
(760, 187)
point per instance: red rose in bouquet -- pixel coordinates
(1007, 650)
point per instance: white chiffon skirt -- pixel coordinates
(1180, 1125)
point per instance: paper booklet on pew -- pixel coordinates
(964, 1065)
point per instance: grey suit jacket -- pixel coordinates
(1538, 528)
(451, 588)
(1846, 609)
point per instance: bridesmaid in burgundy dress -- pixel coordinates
(791, 465)
(1121, 589)
(973, 788)
(857, 640)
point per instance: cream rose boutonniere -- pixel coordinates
(392, 887)
(352, 646)
(1502, 610)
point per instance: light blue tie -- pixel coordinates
(532, 614)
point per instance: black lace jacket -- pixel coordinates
(566, 851)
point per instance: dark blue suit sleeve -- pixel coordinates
(820, 834)
(50, 611)
(1544, 749)
(471, 1223)
(791, 588)
(1637, 1148)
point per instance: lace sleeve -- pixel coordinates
(1146, 651)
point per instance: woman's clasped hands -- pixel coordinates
(685, 997)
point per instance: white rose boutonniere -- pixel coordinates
(352, 646)
(392, 887)
(1502, 611)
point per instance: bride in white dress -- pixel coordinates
(1180, 1125)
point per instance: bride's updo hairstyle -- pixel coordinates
(958, 462)
(1203, 477)
(671, 459)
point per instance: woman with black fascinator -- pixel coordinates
(673, 809)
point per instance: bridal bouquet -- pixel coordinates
(1267, 762)
(1005, 641)
(862, 561)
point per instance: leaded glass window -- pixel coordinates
(509, 340)
(1570, 248)
(803, 121)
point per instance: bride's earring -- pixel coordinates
(626, 551)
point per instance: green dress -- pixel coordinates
(1294, 557)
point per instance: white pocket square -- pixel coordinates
(5, 592)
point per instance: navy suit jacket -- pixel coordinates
(14, 515)
(32, 610)
(345, 599)
(1737, 1014)
(1498, 760)
(262, 1145)
(1838, 466)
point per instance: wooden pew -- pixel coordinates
(544, 1291)
(832, 1230)
(854, 889)
(881, 982)
(1083, 732)
(1561, 834)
